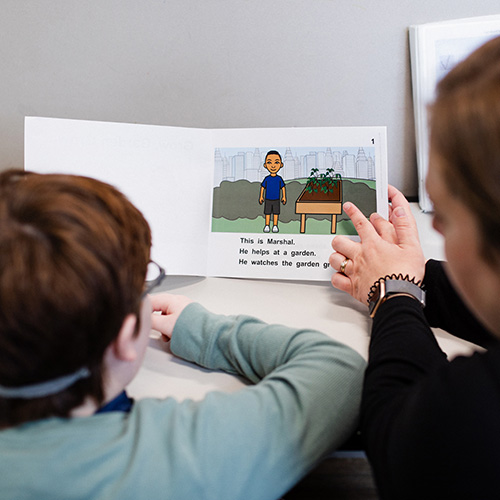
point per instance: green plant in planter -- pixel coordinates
(322, 182)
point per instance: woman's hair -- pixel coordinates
(73, 259)
(465, 138)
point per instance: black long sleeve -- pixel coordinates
(431, 427)
(446, 310)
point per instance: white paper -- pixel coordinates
(171, 175)
(435, 49)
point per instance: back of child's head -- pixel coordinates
(73, 258)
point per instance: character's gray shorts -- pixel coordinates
(271, 207)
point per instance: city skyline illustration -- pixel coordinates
(232, 164)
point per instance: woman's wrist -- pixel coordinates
(391, 286)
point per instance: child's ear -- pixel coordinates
(124, 346)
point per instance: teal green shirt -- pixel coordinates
(255, 443)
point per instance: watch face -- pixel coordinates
(371, 307)
(378, 292)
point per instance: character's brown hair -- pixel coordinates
(73, 258)
(465, 136)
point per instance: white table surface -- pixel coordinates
(295, 303)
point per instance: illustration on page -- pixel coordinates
(300, 190)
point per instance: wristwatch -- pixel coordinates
(384, 288)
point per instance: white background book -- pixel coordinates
(170, 174)
(434, 49)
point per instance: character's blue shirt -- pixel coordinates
(272, 185)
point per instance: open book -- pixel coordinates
(434, 49)
(205, 191)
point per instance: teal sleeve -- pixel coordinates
(265, 437)
(246, 346)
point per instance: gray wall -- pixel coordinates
(217, 63)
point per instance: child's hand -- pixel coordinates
(170, 306)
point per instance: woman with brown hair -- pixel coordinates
(432, 426)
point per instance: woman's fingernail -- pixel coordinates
(399, 212)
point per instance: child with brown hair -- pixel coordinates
(75, 318)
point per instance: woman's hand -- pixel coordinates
(170, 306)
(386, 247)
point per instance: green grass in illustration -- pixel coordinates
(256, 225)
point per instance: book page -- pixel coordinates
(165, 171)
(292, 240)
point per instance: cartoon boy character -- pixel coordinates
(273, 185)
